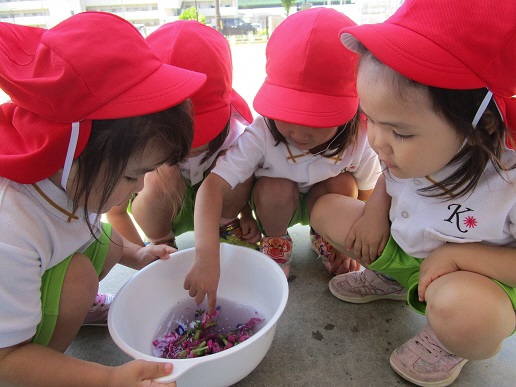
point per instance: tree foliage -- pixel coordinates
(287, 4)
(192, 14)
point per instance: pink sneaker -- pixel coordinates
(279, 249)
(98, 313)
(423, 361)
(364, 286)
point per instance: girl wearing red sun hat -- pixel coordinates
(219, 118)
(93, 109)
(308, 141)
(436, 82)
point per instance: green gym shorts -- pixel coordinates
(395, 263)
(184, 220)
(52, 283)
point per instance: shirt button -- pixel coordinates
(417, 182)
(404, 214)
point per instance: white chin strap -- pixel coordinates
(72, 145)
(482, 108)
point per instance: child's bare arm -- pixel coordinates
(203, 277)
(370, 233)
(122, 222)
(135, 256)
(30, 364)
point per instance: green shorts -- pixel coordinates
(300, 215)
(184, 220)
(397, 264)
(52, 283)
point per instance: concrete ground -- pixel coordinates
(319, 341)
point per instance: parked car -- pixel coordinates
(257, 27)
(236, 26)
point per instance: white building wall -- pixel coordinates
(47, 13)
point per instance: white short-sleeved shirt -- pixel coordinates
(193, 170)
(255, 152)
(421, 224)
(38, 231)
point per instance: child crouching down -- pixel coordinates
(307, 142)
(436, 83)
(164, 208)
(93, 109)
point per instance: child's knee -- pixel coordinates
(81, 281)
(343, 184)
(275, 189)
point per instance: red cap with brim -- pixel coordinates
(91, 66)
(195, 46)
(454, 44)
(310, 80)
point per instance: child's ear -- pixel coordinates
(491, 121)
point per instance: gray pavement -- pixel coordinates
(319, 341)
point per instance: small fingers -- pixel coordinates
(212, 302)
(421, 289)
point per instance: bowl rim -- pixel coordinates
(269, 325)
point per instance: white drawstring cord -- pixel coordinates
(72, 145)
(482, 108)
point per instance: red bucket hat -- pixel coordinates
(453, 44)
(91, 66)
(195, 46)
(310, 80)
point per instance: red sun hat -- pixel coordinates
(311, 80)
(453, 44)
(91, 66)
(195, 46)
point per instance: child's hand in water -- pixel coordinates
(140, 373)
(202, 280)
(151, 253)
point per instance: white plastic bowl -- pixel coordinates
(144, 302)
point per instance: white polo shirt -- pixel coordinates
(421, 224)
(255, 152)
(193, 170)
(38, 231)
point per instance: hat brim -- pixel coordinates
(241, 106)
(166, 87)
(304, 108)
(412, 55)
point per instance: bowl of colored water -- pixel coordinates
(153, 301)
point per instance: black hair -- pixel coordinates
(215, 144)
(113, 142)
(482, 144)
(345, 136)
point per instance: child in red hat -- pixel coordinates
(308, 141)
(439, 228)
(165, 206)
(93, 109)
